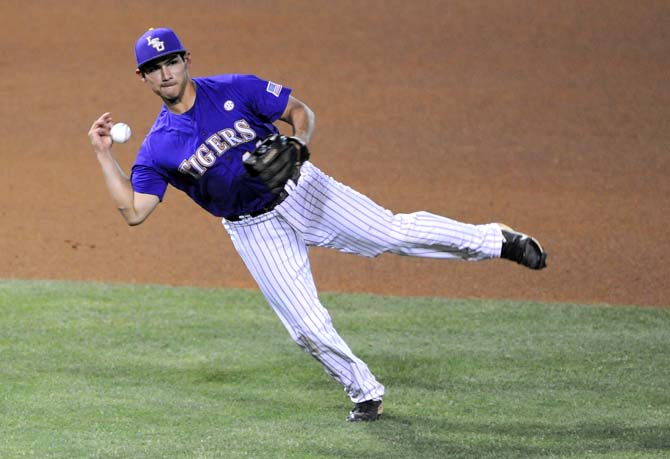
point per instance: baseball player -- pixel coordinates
(215, 140)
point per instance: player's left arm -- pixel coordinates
(301, 118)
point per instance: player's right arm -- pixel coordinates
(134, 207)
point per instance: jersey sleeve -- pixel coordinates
(267, 98)
(145, 178)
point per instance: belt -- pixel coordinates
(280, 198)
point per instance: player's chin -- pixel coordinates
(169, 90)
(171, 96)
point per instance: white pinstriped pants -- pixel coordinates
(320, 211)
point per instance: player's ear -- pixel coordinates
(140, 74)
(187, 57)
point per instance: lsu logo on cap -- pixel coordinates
(157, 44)
(274, 88)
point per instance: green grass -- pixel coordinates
(100, 371)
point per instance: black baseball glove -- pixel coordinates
(276, 160)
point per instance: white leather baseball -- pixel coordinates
(120, 133)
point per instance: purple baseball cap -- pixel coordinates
(155, 43)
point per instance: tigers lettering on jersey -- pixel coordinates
(215, 146)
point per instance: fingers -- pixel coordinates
(102, 125)
(105, 121)
(99, 134)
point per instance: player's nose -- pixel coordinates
(166, 74)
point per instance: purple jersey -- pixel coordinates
(200, 151)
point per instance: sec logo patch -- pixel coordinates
(228, 105)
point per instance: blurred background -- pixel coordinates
(549, 116)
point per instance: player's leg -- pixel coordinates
(331, 214)
(276, 257)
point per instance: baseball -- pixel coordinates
(120, 133)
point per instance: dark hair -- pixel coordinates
(167, 57)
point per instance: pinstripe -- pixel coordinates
(320, 211)
(276, 256)
(356, 224)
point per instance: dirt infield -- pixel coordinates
(550, 116)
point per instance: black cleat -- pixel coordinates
(369, 410)
(522, 248)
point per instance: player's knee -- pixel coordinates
(314, 342)
(402, 229)
(308, 344)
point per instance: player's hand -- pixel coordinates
(276, 160)
(99, 134)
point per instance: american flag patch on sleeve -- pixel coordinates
(274, 88)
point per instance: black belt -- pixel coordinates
(280, 198)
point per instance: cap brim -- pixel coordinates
(160, 56)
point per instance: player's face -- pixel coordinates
(168, 78)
